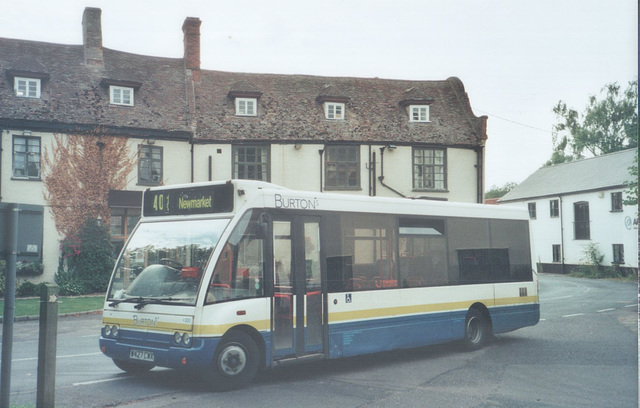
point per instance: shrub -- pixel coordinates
(29, 268)
(86, 261)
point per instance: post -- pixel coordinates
(47, 347)
(9, 304)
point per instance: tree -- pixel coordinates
(497, 192)
(606, 126)
(79, 172)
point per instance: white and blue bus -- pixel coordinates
(227, 278)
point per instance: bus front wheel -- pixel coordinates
(476, 330)
(235, 363)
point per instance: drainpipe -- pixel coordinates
(561, 235)
(321, 152)
(381, 178)
(479, 172)
(192, 145)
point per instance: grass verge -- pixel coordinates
(66, 305)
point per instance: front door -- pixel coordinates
(297, 302)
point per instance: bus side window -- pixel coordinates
(239, 272)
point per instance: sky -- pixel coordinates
(517, 59)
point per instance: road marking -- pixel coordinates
(78, 384)
(69, 356)
(574, 315)
(633, 305)
(606, 310)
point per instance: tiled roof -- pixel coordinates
(596, 173)
(290, 108)
(75, 94)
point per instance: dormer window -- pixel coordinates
(120, 95)
(246, 106)
(419, 113)
(334, 110)
(121, 92)
(27, 87)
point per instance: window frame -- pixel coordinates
(150, 182)
(556, 253)
(265, 152)
(533, 212)
(26, 154)
(27, 81)
(413, 109)
(121, 101)
(554, 208)
(438, 184)
(616, 201)
(618, 254)
(581, 227)
(345, 167)
(330, 110)
(247, 102)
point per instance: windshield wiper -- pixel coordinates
(132, 299)
(148, 301)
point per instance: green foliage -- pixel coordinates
(29, 289)
(497, 192)
(29, 268)
(2, 277)
(606, 126)
(631, 193)
(86, 261)
(593, 267)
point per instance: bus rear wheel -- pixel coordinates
(476, 330)
(235, 363)
(132, 367)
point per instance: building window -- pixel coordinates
(616, 201)
(27, 87)
(419, 113)
(26, 157)
(557, 254)
(119, 95)
(581, 220)
(532, 210)
(150, 165)
(342, 167)
(429, 169)
(618, 254)
(246, 107)
(554, 208)
(334, 110)
(251, 162)
(122, 222)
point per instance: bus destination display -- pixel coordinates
(188, 201)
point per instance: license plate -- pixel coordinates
(141, 355)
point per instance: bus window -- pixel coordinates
(239, 272)
(423, 252)
(361, 252)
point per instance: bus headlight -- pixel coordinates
(182, 339)
(110, 331)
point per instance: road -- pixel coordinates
(583, 353)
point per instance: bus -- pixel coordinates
(228, 278)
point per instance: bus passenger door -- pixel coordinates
(298, 300)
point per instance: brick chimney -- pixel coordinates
(92, 35)
(191, 30)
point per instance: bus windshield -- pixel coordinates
(165, 261)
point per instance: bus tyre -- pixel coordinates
(235, 363)
(132, 367)
(476, 330)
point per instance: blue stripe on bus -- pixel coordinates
(345, 339)
(375, 335)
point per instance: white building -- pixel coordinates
(579, 203)
(365, 136)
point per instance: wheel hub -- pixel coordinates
(233, 360)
